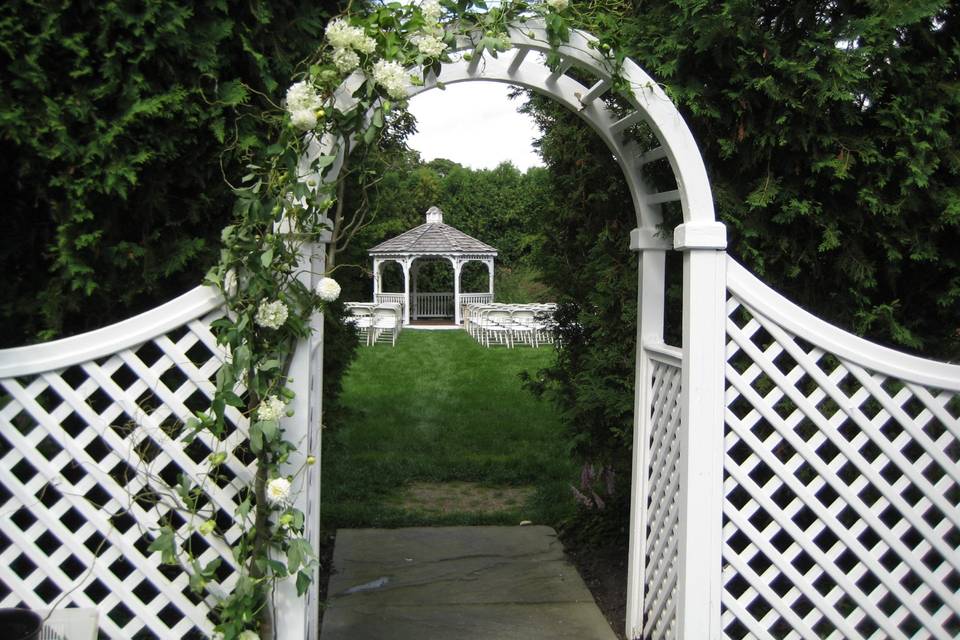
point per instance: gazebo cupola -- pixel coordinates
(431, 241)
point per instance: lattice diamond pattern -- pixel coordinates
(88, 451)
(842, 495)
(660, 580)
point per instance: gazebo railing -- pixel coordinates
(475, 298)
(433, 305)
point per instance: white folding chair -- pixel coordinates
(386, 321)
(361, 317)
(497, 324)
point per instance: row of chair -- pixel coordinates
(509, 324)
(376, 321)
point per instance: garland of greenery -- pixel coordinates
(278, 209)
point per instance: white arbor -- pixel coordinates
(431, 241)
(789, 480)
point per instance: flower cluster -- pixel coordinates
(390, 75)
(271, 315)
(429, 45)
(431, 10)
(303, 105)
(348, 42)
(558, 5)
(271, 409)
(328, 289)
(278, 490)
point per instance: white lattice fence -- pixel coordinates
(842, 482)
(88, 446)
(661, 562)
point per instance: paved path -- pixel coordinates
(457, 583)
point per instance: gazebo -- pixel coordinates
(431, 241)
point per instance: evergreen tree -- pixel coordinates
(118, 126)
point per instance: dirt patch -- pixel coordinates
(462, 497)
(604, 568)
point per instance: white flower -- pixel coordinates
(328, 289)
(271, 315)
(304, 119)
(558, 5)
(271, 409)
(364, 43)
(345, 60)
(301, 95)
(341, 35)
(390, 75)
(431, 10)
(278, 490)
(248, 635)
(430, 46)
(230, 283)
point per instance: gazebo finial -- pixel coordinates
(434, 215)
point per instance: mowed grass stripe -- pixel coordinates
(438, 408)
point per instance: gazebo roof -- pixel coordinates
(433, 238)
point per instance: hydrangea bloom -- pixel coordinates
(428, 45)
(558, 5)
(271, 409)
(271, 315)
(278, 490)
(345, 60)
(341, 35)
(301, 95)
(304, 119)
(431, 10)
(391, 76)
(328, 289)
(303, 101)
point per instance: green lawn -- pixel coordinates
(440, 408)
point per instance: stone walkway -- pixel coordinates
(457, 583)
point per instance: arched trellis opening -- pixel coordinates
(684, 592)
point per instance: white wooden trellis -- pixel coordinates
(842, 480)
(790, 480)
(86, 428)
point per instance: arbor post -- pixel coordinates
(295, 617)
(650, 312)
(701, 437)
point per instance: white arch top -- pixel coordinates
(649, 103)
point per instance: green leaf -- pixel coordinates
(165, 543)
(233, 93)
(303, 582)
(266, 258)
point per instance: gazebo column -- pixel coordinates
(457, 265)
(489, 262)
(377, 282)
(414, 274)
(406, 289)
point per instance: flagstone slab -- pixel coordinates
(478, 583)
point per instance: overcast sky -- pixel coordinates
(475, 124)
